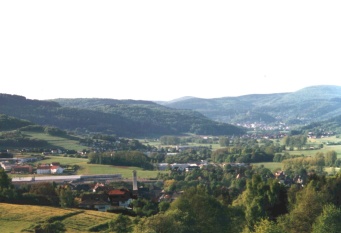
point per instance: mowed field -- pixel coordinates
(68, 144)
(21, 218)
(93, 169)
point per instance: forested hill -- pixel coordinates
(126, 118)
(307, 105)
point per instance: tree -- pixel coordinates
(161, 223)
(197, 211)
(267, 226)
(54, 227)
(5, 181)
(163, 206)
(328, 221)
(263, 199)
(224, 141)
(330, 158)
(122, 224)
(307, 207)
(66, 198)
(7, 191)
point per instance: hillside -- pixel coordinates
(304, 106)
(22, 218)
(126, 118)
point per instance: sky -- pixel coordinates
(163, 50)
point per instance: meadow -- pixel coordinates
(91, 169)
(22, 218)
(69, 144)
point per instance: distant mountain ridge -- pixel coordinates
(128, 118)
(215, 116)
(307, 105)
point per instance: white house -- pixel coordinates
(48, 169)
(56, 170)
(44, 169)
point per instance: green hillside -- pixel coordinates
(124, 118)
(22, 218)
(304, 106)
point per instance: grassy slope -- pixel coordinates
(57, 141)
(16, 218)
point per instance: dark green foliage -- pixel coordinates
(5, 181)
(122, 118)
(263, 199)
(55, 131)
(121, 158)
(7, 191)
(328, 221)
(54, 227)
(199, 212)
(15, 139)
(11, 123)
(122, 224)
(144, 207)
(45, 191)
(66, 197)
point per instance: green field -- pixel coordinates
(93, 169)
(20, 218)
(270, 165)
(57, 141)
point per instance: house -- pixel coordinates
(56, 170)
(179, 166)
(100, 202)
(192, 167)
(163, 166)
(43, 169)
(120, 197)
(25, 169)
(49, 169)
(6, 166)
(100, 187)
(169, 196)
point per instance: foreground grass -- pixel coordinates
(21, 218)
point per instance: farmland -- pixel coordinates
(22, 218)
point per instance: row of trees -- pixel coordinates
(121, 158)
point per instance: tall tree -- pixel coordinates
(263, 199)
(328, 221)
(330, 158)
(122, 224)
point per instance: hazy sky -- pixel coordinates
(162, 50)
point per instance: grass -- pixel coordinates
(326, 148)
(270, 165)
(56, 141)
(126, 172)
(20, 218)
(93, 169)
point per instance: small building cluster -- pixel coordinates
(22, 168)
(182, 166)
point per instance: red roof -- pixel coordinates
(44, 167)
(118, 192)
